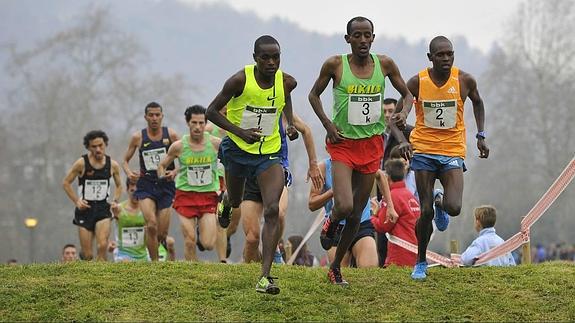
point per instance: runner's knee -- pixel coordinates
(271, 211)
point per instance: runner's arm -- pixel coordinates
(233, 87)
(317, 198)
(173, 153)
(289, 85)
(117, 181)
(326, 74)
(313, 172)
(75, 171)
(382, 183)
(132, 146)
(478, 112)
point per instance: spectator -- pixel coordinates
(69, 253)
(304, 256)
(485, 217)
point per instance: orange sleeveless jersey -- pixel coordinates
(439, 126)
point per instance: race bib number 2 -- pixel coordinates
(440, 114)
(153, 157)
(263, 118)
(364, 109)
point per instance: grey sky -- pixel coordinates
(482, 22)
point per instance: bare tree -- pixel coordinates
(89, 76)
(528, 87)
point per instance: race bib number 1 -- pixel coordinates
(263, 118)
(200, 175)
(153, 157)
(440, 114)
(95, 189)
(364, 109)
(132, 237)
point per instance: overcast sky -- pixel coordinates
(482, 22)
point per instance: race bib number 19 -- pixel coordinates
(153, 157)
(200, 175)
(263, 118)
(440, 114)
(364, 109)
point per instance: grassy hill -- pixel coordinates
(191, 292)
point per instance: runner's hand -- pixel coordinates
(405, 150)
(314, 174)
(82, 204)
(292, 133)
(483, 149)
(133, 176)
(333, 134)
(251, 135)
(171, 175)
(400, 120)
(115, 207)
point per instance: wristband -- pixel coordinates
(480, 135)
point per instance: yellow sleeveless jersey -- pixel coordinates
(258, 108)
(439, 126)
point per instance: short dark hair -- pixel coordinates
(390, 101)
(358, 19)
(69, 245)
(195, 109)
(93, 135)
(395, 169)
(152, 105)
(129, 181)
(436, 40)
(264, 40)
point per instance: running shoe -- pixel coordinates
(419, 271)
(441, 217)
(267, 285)
(224, 211)
(327, 234)
(334, 276)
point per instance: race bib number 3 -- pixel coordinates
(95, 189)
(153, 157)
(440, 114)
(200, 175)
(132, 237)
(364, 109)
(263, 118)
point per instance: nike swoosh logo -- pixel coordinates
(146, 144)
(271, 98)
(272, 157)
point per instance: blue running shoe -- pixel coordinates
(441, 217)
(419, 271)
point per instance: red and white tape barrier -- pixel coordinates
(519, 238)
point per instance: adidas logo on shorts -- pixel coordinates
(454, 162)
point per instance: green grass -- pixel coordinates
(182, 291)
